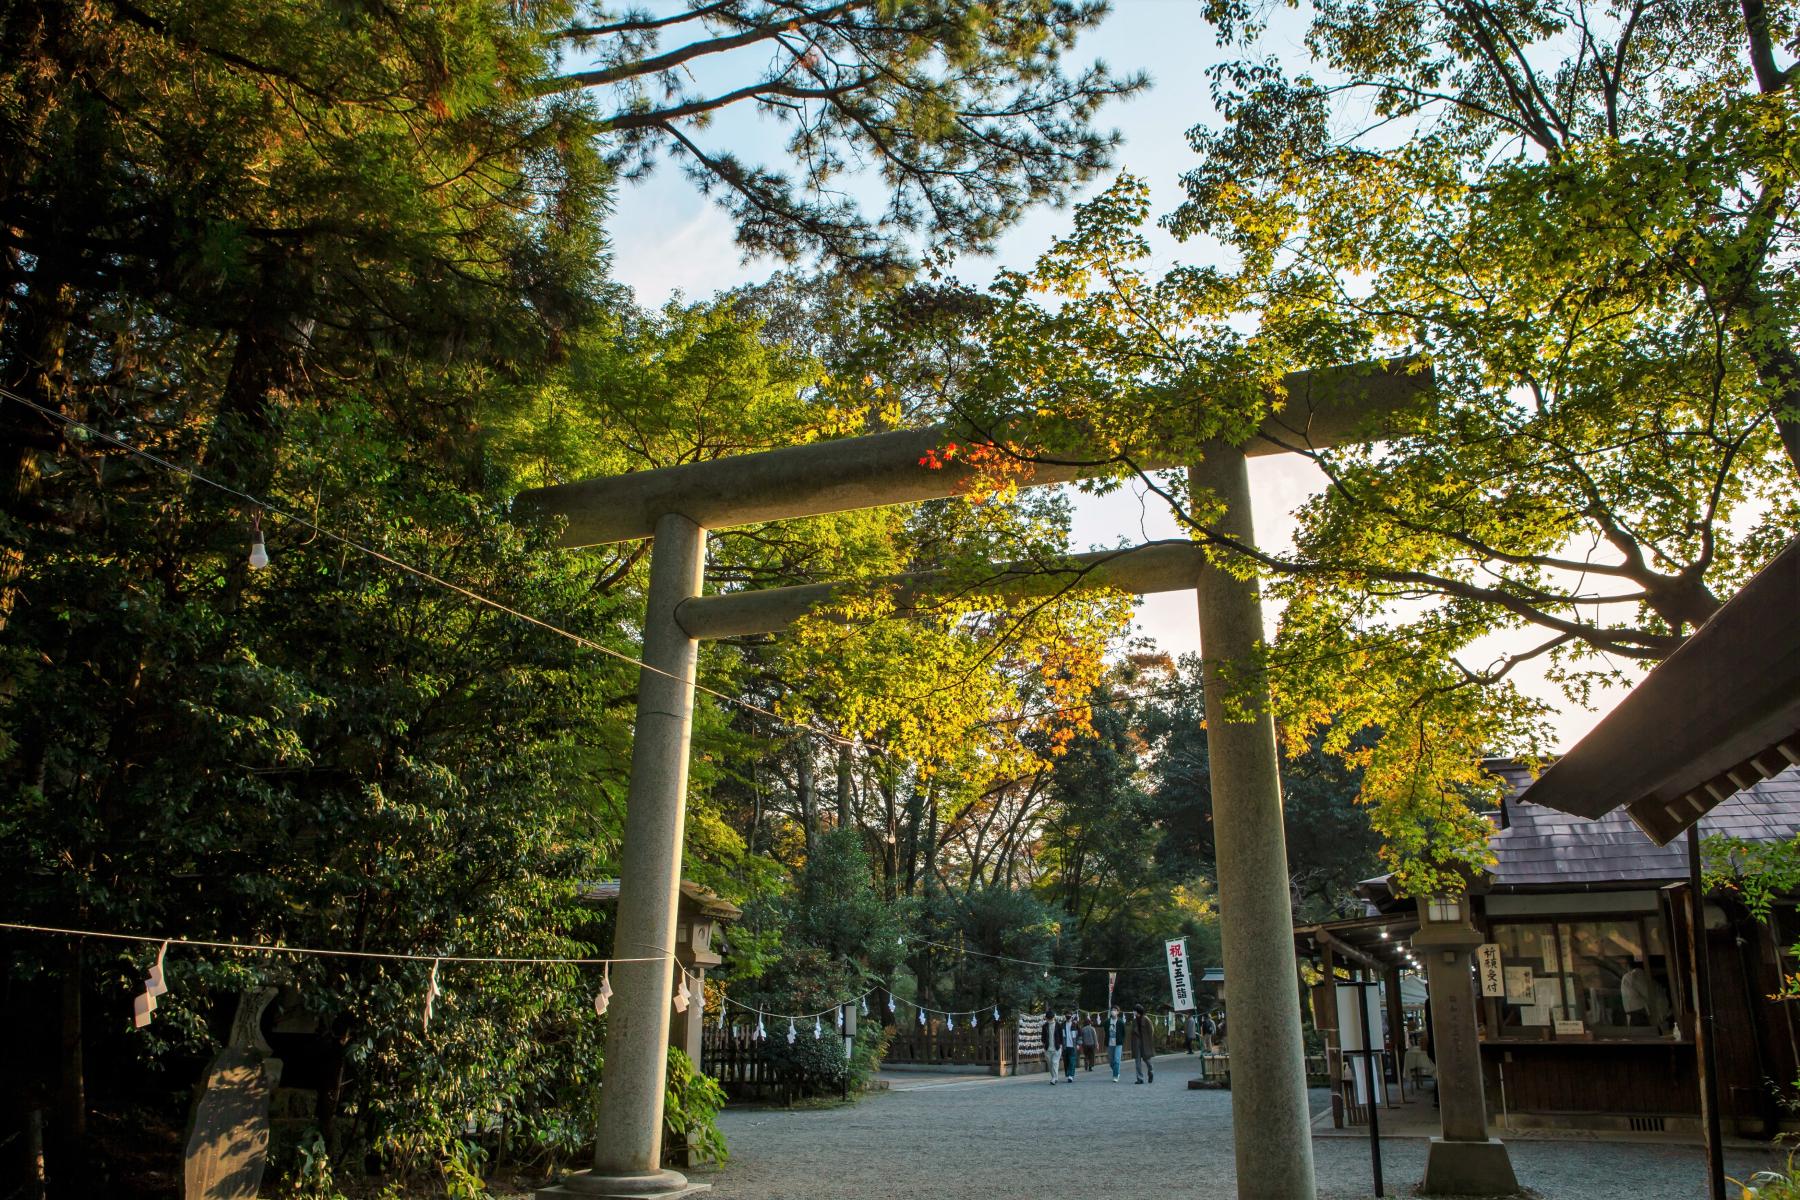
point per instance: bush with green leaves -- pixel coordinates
(821, 1058)
(691, 1108)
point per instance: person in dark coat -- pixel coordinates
(1053, 1043)
(1143, 1045)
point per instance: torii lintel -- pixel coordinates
(1322, 408)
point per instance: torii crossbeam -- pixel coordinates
(677, 505)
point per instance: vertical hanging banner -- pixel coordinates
(1492, 971)
(1181, 983)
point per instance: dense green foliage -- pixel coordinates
(1582, 220)
(350, 263)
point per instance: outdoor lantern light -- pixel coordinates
(702, 934)
(259, 553)
(1445, 923)
(1445, 910)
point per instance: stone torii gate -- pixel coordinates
(677, 505)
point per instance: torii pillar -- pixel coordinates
(677, 505)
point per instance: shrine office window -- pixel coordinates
(1583, 979)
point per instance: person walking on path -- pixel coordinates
(1116, 1031)
(1052, 1043)
(1191, 1027)
(1143, 1045)
(1090, 1040)
(1071, 1036)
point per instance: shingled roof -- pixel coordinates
(1543, 848)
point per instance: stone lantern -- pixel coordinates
(698, 916)
(1464, 1161)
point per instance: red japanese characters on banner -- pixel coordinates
(1181, 983)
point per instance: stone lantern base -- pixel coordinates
(1468, 1169)
(648, 1185)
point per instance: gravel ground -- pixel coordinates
(951, 1138)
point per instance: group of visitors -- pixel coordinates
(1200, 1029)
(1073, 1036)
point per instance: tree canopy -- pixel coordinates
(1580, 222)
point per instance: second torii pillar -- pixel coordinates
(628, 1141)
(1271, 1122)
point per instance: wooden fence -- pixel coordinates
(738, 1060)
(985, 1046)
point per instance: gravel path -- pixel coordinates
(961, 1138)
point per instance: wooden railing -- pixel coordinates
(741, 1065)
(986, 1046)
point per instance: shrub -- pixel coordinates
(821, 1058)
(692, 1107)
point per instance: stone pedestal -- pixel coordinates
(1459, 1168)
(1465, 1161)
(641, 1185)
(228, 1135)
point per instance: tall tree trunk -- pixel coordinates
(890, 850)
(1777, 365)
(846, 773)
(34, 368)
(809, 799)
(268, 370)
(914, 813)
(70, 1114)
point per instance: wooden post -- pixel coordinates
(1372, 1078)
(1396, 1015)
(1701, 978)
(1325, 1020)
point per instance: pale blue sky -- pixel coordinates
(669, 239)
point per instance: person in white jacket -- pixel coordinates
(1053, 1043)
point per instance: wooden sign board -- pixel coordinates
(1521, 988)
(1488, 967)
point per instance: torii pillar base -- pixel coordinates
(1457, 1168)
(640, 1185)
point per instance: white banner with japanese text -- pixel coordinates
(1181, 980)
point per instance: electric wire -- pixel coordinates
(417, 571)
(320, 952)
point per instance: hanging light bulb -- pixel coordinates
(259, 553)
(996, 1014)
